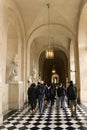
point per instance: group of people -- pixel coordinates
(43, 94)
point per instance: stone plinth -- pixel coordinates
(1, 115)
(5, 95)
(16, 95)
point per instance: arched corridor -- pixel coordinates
(30, 32)
(53, 118)
(59, 63)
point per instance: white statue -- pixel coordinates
(13, 75)
(39, 78)
(29, 79)
(34, 73)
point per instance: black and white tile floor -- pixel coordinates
(52, 119)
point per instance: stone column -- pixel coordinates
(1, 115)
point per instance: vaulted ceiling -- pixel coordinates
(64, 22)
(64, 17)
(64, 12)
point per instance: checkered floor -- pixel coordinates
(52, 119)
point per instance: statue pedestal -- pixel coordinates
(1, 115)
(16, 95)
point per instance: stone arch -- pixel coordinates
(10, 6)
(60, 62)
(34, 57)
(14, 43)
(37, 32)
(12, 46)
(12, 13)
(55, 78)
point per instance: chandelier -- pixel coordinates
(49, 53)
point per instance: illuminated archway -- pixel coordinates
(55, 78)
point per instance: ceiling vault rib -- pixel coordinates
(50, 24)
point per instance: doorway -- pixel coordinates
(46, 65)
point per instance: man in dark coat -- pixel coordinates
(32, 96)
(72, 97)
(41, 97)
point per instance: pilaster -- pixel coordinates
(1, 115)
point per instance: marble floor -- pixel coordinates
(53, 118)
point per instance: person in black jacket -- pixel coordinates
(61, 92)
(72, 97)
(52, 94)
(41, 97)
(32, 96)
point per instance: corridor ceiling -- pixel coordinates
(63, 18)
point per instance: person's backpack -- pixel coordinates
(41, 91)
(72, 92)
(59, 92)
(48, 93)
(52, 91)
(62, 91)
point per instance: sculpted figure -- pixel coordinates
(34, 73)
(13, 75)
